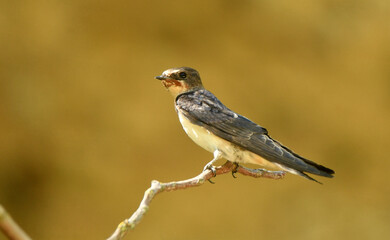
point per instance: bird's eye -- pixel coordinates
(183, 75)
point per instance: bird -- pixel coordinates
(227, 134)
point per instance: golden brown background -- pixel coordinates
(84, 127)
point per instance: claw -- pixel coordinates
(235, 170)
(210, 181)
(212, 169)
(209, 166)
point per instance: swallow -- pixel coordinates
(227, 134)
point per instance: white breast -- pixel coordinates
(200, 135)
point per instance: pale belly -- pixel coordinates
(230, 151)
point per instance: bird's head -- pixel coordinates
(180, 80)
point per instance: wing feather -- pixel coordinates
(201, 107)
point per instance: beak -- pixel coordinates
(161, 77)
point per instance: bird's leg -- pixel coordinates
(235, 169)
(209, 166)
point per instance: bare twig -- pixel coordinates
(158, 187)
(10, 228)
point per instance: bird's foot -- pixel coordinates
(209, 166)
(236, 165)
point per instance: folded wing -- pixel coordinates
(201, 107)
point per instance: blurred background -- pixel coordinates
(85, 127)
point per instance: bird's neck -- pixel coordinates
(177, 90)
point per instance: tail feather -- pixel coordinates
(315, 168)
(308, 177)
(323, 171)
(300, 173)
